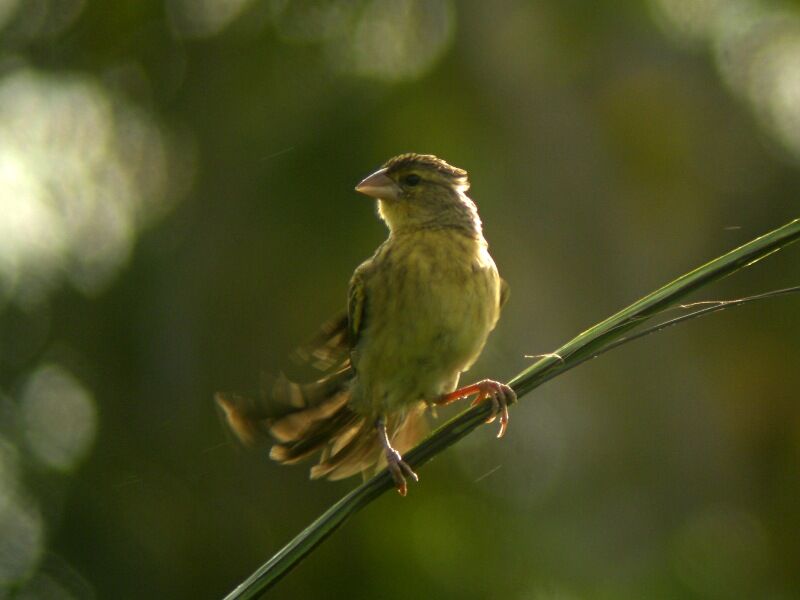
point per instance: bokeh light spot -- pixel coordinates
(58, 417)
(756, 47)
(36, 19)
(21, 541)
(7, 10)
(80, 171)
(400, 40)
(312, 21)
(775, 88)
(9, 473)
(203, 18)
(387, 40)
(689, 18)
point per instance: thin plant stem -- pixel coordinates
(715, 306)
(604, 336)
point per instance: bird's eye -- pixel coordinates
(411, 180)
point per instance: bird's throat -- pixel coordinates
(402, 217)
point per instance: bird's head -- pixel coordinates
(421, 191)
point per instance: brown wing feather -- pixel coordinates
(286, 409)
(331, 346)
(505, 292)
(356, 304)
(328, 348)
(315, 417)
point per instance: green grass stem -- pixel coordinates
(607, 334)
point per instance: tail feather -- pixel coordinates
(315, 417)
(357, 455)
(237, 412)
(343, 439)
(284, 396)
(362, 449)
(251, 419)
(317, 435)
(297, 425)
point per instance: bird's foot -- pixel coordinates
(397, 467)
(399, 470)
(499, 394)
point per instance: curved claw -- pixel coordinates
(500, 395)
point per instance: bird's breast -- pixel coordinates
(433, 299)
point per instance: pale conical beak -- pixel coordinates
(379, 185)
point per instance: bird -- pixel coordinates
(419, 312)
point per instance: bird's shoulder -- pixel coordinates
(356, 301)
(505, 292)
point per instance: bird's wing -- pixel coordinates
(328, 348)
(505, 292)
(331, 346)
(356, 301)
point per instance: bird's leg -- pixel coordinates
(499, 394)
(394, 462)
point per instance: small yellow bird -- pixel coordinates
(418, 315)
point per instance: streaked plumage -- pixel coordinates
(418, 315)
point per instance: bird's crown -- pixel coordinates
(427, 162)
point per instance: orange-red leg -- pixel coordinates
(499, 394)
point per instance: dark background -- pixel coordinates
(177, 212)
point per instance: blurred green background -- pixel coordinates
(177, 212)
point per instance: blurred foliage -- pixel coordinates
(176, 212)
